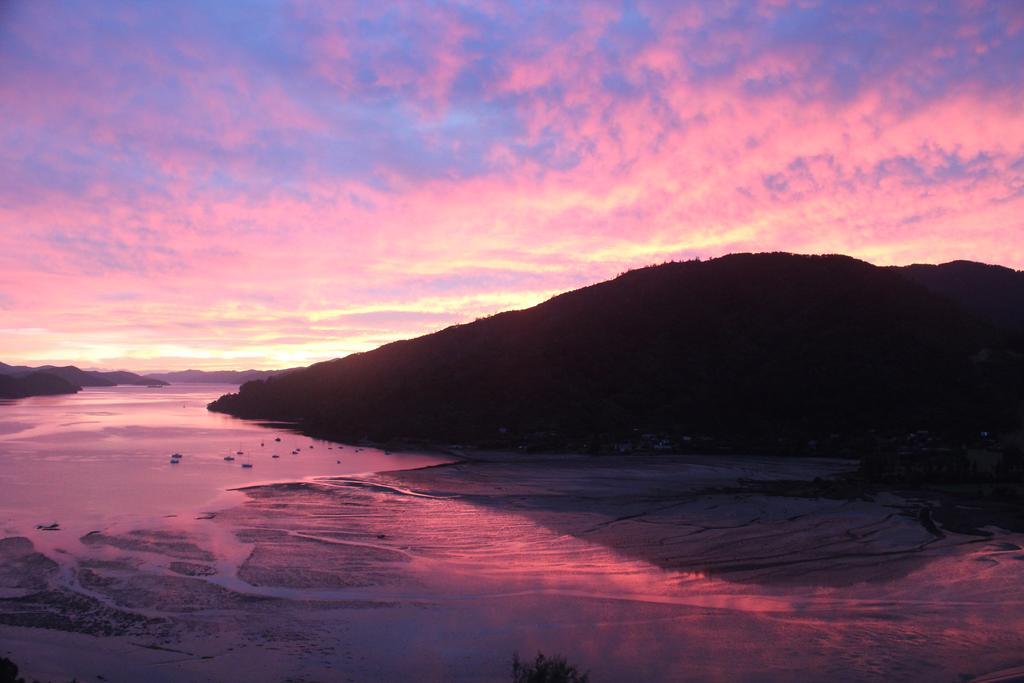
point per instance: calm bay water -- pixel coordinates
(103, 455)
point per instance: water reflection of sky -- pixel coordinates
(484, 581)
(104, 454)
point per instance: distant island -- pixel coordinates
(20, 381)
(747, 353)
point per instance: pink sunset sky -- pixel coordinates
(268, 184)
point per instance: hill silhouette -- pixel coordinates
(993, 292)
(125, 377)
(83, 378)
(35, 384)
(74, 375)
(6, 369)
(748, 344)
(216, 376)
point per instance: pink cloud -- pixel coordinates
(191, 192)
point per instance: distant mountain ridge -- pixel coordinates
(216, 376)
(96, 378)
(70, 373)
(764, 344)
(72, 379)
(131, 378)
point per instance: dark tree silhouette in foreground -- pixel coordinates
(9, 672)
(546, 670)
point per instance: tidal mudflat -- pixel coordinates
(636, 568)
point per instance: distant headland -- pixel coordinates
(769, 352)
(20, 381)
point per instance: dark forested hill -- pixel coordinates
(753, 344)
(993, 292)
(34, 384)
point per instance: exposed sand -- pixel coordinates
(637, 568)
